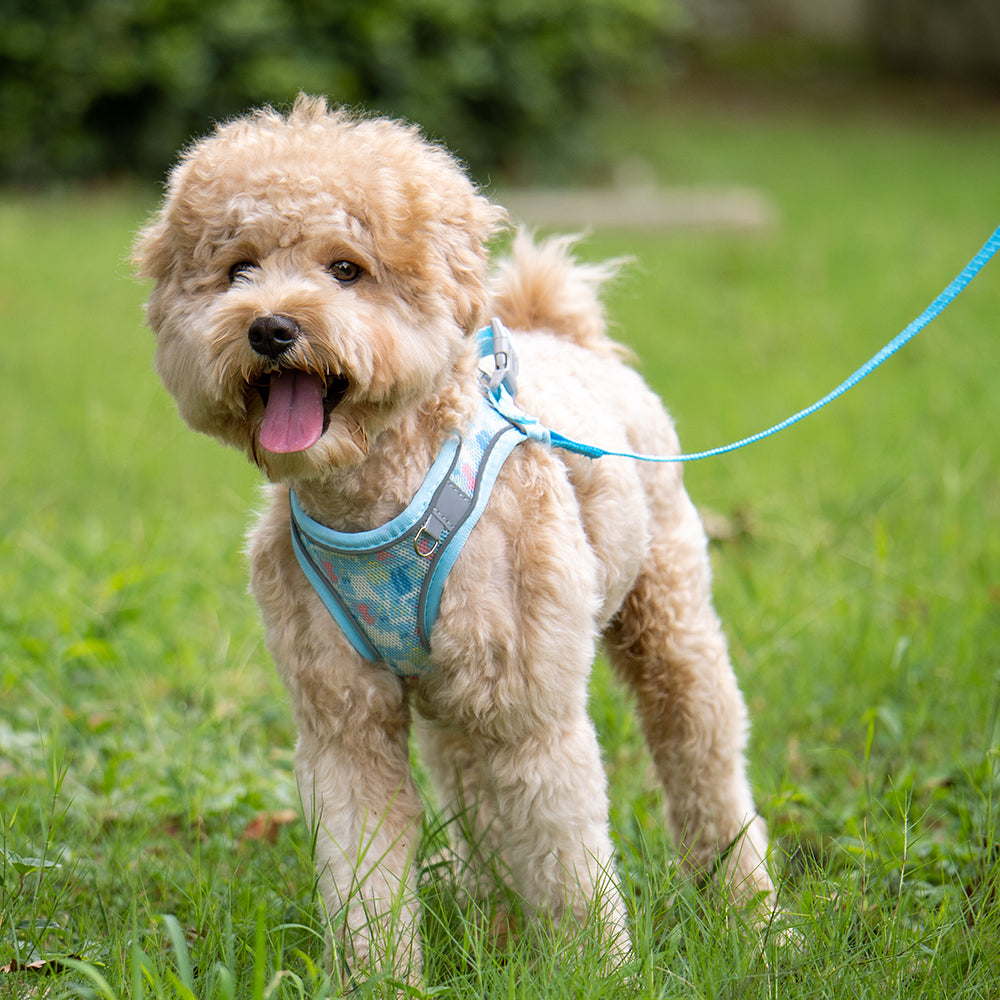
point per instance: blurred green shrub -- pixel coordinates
(96, 87)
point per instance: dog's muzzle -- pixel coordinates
(297, 403)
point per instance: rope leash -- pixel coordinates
(953, 290)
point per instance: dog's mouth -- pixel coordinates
(297, 407)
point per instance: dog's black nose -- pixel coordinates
(273, 335)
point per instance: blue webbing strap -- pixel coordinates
(930, 313)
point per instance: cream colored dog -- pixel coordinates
(318, 283)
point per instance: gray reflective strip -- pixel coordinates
(449, 507)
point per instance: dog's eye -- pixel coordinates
(345, 271)
(240, 269)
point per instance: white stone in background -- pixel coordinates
(640, 207)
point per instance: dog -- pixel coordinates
(319, 279)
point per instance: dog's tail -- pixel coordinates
(541, 286)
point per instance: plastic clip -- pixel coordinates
(504, 359)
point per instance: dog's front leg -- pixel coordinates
(352, 764)
(365, 815)
(513, 679)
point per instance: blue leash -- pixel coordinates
(934, 310)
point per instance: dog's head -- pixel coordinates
(315, 275)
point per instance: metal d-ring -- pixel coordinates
(416, 543)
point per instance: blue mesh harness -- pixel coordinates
(383, 587)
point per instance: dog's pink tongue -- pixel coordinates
(293, 420)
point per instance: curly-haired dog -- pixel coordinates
(319, 281)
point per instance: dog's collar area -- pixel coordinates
(383, 587)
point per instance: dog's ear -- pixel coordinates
(467, 258)
(151, 253)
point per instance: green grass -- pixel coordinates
(142, 728)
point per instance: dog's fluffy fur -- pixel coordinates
(569, 550)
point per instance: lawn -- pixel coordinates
(150, 841)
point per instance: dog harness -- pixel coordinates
(383, 586)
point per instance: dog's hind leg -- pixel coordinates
(667, 642)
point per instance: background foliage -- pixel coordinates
(91, 87)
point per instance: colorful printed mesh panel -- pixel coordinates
(384, 589)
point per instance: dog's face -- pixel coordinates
(314, 276)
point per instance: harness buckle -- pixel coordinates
(504, 360)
